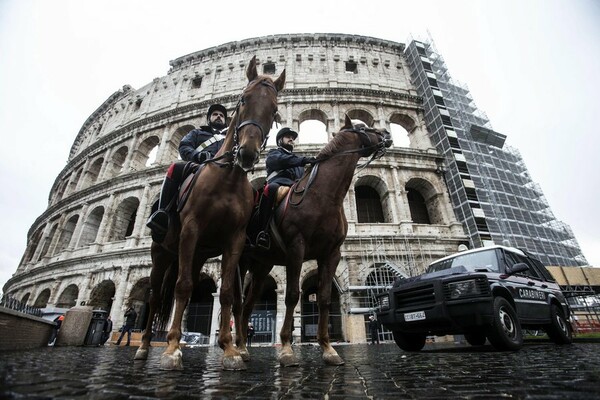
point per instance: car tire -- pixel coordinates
(475, 338)
(559, 330)
(409, 341)
(505, 331)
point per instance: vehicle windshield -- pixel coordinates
(479, 261)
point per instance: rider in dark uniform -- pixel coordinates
(197, 146)
(283, 168)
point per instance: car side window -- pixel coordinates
(532, 271)
(509, 259)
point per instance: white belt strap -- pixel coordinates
(273, 175)
(210, 141)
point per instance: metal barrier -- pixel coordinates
(16, 305)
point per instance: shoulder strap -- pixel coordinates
(216, 137)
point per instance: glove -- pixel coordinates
(203, 156)
(308, 160)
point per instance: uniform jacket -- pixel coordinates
(188, 148)
(288, 164)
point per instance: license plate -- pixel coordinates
(414, 316)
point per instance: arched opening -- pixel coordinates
(91, 226)
(313, 127)
(102, 296)
(68, 298)
(33, 245)
(264, 313)
(117, 162)
(417, 206)
(361, 115)
(139, 299)
(124, 219)
(25, 298)
(42, 299)
(152, 157)
(310, 311)
(368, 205)
(48, 241)
(74, 181)
(173, 143)
(275, 127)
(92, 174)
(142, 153)
(66, 234)
(399, 135)
(200, 309)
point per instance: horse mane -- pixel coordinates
(334, 146)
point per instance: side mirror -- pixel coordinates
(518, 267)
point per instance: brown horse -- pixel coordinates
(311, 225)
(212, 222)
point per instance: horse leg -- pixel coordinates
(172, 358)
(161, 260)
(231, 256)
(255, 288)
(287, 358)
(240, 331)
(327, 267)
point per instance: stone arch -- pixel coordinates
(424, 202)
(33, 244)
(139, 299)
(313, 126)
(124, 219)
(42, 299)
(362, 115)
(402, 126)
(372, 200)
(172, 152)
(117, 162)
(68, 297)
(264, 313)
(92, 175)
(25, 298)
(48, 241)
(67, 234)
(91, 227)
(200, 308)
(102, 295)
(310, 310)
(72, 186)
(60, 191)
(142, 153)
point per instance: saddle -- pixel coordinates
(191, 172)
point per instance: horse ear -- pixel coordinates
(251, 71)
(347, 123)
(280, 82)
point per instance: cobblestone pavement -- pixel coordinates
(538, 371)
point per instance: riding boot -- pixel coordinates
(159, 220)
(263, 239)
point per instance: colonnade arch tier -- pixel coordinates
(131, 122)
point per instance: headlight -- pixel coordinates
(383, 302)
(455, 290)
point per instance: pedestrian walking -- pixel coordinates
(250, 334)
(130, 317)
(374, 329)
(106, 331)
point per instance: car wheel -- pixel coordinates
(559, 330)
(475, 338)
(505, 331)
(409, 341)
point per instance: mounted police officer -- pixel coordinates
(197, 146)
(283, 169)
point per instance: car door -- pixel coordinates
(533, 296)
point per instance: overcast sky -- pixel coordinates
(532, 66)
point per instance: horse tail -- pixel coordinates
(167, 292)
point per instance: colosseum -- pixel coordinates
(90, 247)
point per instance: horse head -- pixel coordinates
(373, 141)
(255, 112)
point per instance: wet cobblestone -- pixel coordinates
(538, 371)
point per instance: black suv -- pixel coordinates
(492, 292)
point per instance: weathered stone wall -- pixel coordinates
(20, 331)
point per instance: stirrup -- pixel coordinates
(263, 240)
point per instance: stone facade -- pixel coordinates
(91, 247)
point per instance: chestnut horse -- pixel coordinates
(311, 225)
(212, 222)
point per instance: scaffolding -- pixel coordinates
(488, 182)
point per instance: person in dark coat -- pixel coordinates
(374, 329)
(130, 317)
(283, 169)
(250, 334)
(197, 146)
(106, 330)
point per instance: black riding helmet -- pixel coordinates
(285, 132)
(216, 107)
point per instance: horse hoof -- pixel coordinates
(245, 355)
(233, 363)
(141, 354)
(333, 359)
(288, 360)
(170, 362)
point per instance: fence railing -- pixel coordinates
(16, 305)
